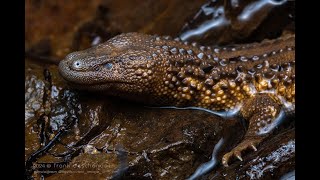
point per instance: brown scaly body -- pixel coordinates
(258, 79)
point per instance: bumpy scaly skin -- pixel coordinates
(259, 78)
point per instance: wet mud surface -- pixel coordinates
(78, 135)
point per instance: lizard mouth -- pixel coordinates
(108, 87)
(106, 83)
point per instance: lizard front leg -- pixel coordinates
(263, 111)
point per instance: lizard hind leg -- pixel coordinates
(264, 113)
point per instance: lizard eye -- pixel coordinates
(76, 65)
(108, 66)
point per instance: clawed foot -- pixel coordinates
(236, 152)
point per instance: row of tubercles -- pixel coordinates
(166, 50)
(213, 50)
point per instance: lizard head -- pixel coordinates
(122, 66)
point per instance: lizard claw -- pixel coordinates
(239, 157)
(253, 147)
(225, 159)
(236, 152)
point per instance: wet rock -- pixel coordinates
(170, 144)
(99, 20)
(275, 157)
(88, 166)
(153, 17)
(33, 96)
(227, 21)
(47, 105)
(52, 21)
